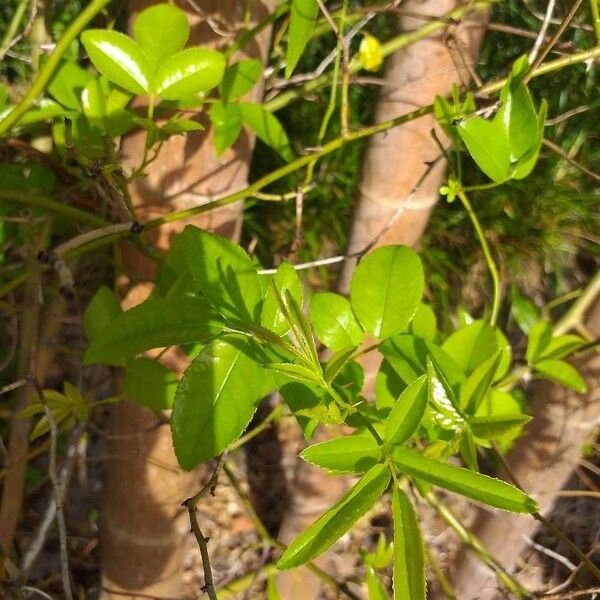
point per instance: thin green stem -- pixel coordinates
(595, 19)
(556, 531)
(576, 313)
(401, 41)
(471, 540)
(267, 538)
(12, 28)
(46, 72)
(58, 208)
(489, 259)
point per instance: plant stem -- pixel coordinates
(397, 43)
(58, 208)
(46, 72)
(468, 538)
(575, 314)
(12, 28)
(595, 19)
(337, 586)
(489, 259)
(556, 531)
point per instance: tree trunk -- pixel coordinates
(393, 163)
(542, 461)
(143, 525)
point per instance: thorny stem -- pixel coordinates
(209, 586)
(489, 259)
(190, 505)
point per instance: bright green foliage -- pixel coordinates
(561, 372)
(189, 72)
(119, 59)
(161, 31)
(482, 488)
(487, 143)
(66, 409)
(302, 21)
(239, 79)
(409, 552)
(156, 323)
(407, 413)
(285, 281)
(227, 121)
(386, 290)
(334, 322)
(507, 146)
(348, 454)
(215, 400)
(267, 128)
(149, 384)
(326, 530)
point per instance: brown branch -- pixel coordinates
(190, 505)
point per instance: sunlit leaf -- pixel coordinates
(329, 527)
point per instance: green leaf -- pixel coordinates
(424, 323)
(491, 428)
(523, 311)
(375, 588)
(409, 551)
(476, 387)
(67, 83)
(189, 72)
(93, 101)
(180, 126)
(468, 450)
(149, 384)
(267, 128)
(215, 400)
(337, 361)
(302, 22)
(348, 454)
(407, 413)
(44, 109)
(482, 488)
(488, 144)
(563, 373)
(540, 336)
(156, 323)
(386, 289)
(517, 115)
(561, 346)
(475, 343)
(294, 371)
(334, 322)
(119, 59)
(240, 78)
(161, 31)
(100, 313)
(223, 271)
(329, 527)
(528, 161)
(284, 281)
(226, 120)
